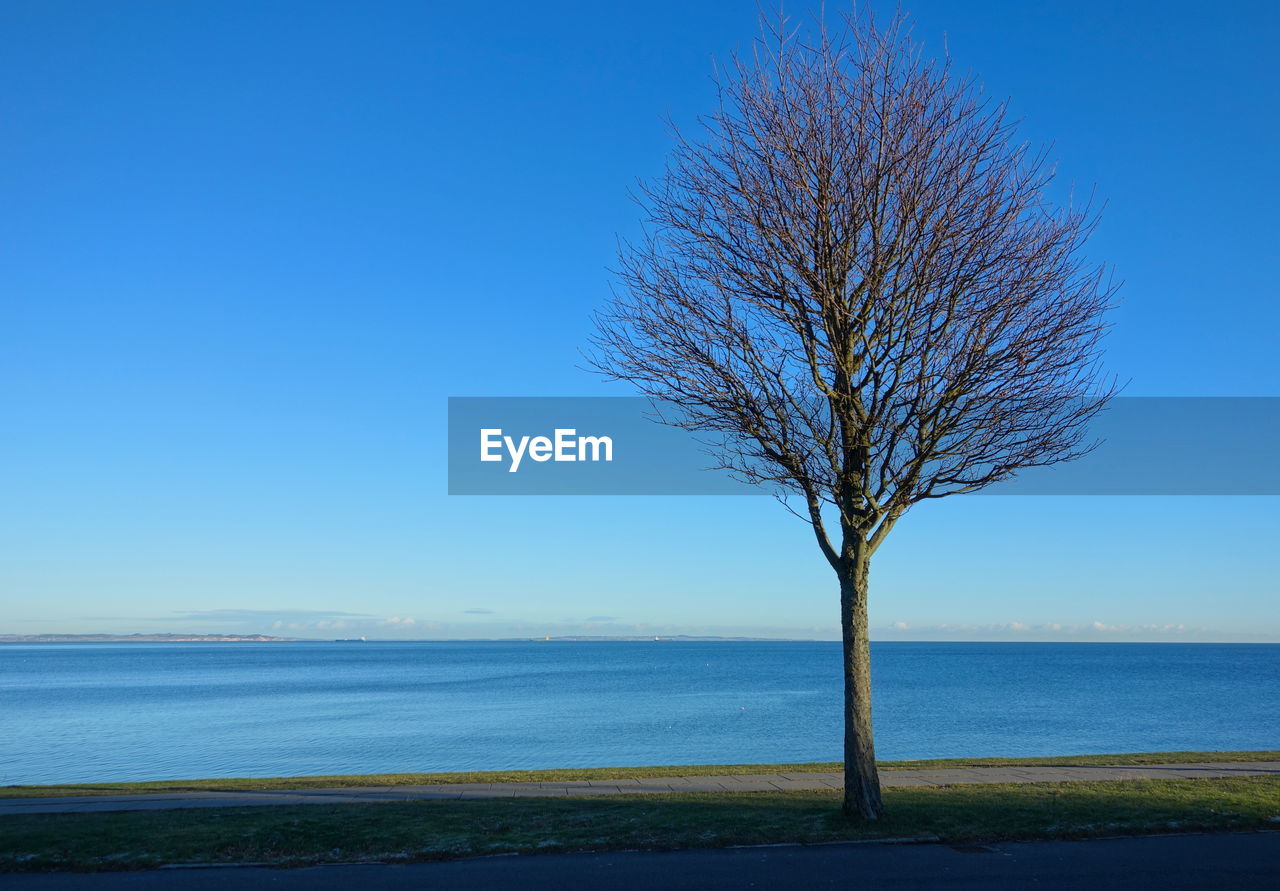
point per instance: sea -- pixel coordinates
(84, 712)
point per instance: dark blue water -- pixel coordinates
(83, 712)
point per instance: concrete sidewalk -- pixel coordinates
(656, 785)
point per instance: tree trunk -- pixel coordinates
(861, 779)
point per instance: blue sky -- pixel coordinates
(249, 250)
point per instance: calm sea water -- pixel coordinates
(83, 712)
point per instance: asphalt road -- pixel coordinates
(1229, 861)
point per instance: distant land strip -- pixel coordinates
(267, 638)
(163, 638)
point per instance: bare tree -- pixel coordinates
(854, 279)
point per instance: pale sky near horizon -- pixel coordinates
(251, 249)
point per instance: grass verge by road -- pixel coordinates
(434, 830)
(347, 781)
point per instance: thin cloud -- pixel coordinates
(299, 615)
(478, 612)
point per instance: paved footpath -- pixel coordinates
(737, 783)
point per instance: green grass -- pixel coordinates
(1087, 760)
(434, 830)
(347, 781)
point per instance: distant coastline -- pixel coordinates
(266, 638)
(577, 638)
(136, 638)
(660, 637)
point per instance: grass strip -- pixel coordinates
(437, 830)
(348, 781)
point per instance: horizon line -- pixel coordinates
(256, 637)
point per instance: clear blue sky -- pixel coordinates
(249, 248)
